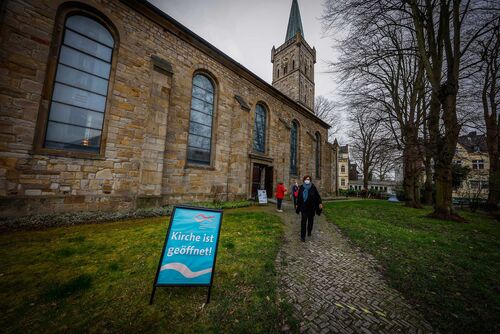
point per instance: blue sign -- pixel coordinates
(190, 249)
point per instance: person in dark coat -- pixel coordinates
(295, 193)
(308, 204)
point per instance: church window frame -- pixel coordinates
(200, 140)
(294, 152)
(69, 75)
(318, 155)
(260, 128)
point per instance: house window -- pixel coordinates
(201, 119)
(259, 129)
(293, 64)
(458, 162)
(477, 164)
(318, 155)
(80, 88)
(342, 169)
(474, 184)
(293, 148)
(342, 182)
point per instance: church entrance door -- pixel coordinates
(262, 178)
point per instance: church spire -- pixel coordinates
(294, 22)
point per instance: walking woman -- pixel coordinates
(295, 193)
(308, 203)
(280, 194)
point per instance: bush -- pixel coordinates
(76, 218)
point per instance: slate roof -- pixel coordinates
(294, 22)
(473, 142)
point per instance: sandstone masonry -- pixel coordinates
(143, 157)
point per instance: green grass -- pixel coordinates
(98, 278)
(224, 204)
(450, 270)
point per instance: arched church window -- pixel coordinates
(318, 155)
(259, 129)
(200, 120)
(80, 88)
(293, 148)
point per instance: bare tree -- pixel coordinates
(382, 67)
(488, 76)
(445, 30)
(326, 110)
(386, 162)
(367, 141)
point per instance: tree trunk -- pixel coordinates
(365, 178)
(428, 184)
(494, 171)
(443, 157)
(411, 170)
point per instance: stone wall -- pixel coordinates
(147, 120)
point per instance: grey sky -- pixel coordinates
(247, 30)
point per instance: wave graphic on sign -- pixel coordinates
(205, 221)
(184, 270)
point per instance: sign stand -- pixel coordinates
(262, 195)
(190, 229)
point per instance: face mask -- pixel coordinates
(307, 181)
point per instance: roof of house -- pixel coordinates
(473, 142)
(344, 149)
(173, 26)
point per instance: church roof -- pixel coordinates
(180, 31)
(294, 22)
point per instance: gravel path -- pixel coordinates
(334, 288)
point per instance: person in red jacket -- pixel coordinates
(280, 194)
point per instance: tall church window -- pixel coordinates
(293, 64)
(318, 155)
(80, 87)
(259, 129)
(293, 148)
(200, 120)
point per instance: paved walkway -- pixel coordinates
(334, 288)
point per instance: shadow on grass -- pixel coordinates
(57, 291)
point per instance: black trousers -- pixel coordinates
(279, 201)
(307, 219)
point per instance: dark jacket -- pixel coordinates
(312, 203)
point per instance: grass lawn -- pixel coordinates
(98, 278)
(450, 270)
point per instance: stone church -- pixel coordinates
(113, 104)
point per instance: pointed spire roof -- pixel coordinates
(294, 22)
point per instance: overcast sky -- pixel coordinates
(247, 30)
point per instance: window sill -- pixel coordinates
(191, 165)
(69, 154)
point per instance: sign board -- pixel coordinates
(190, 248)
(262, 196)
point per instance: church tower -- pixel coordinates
(293, 63)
